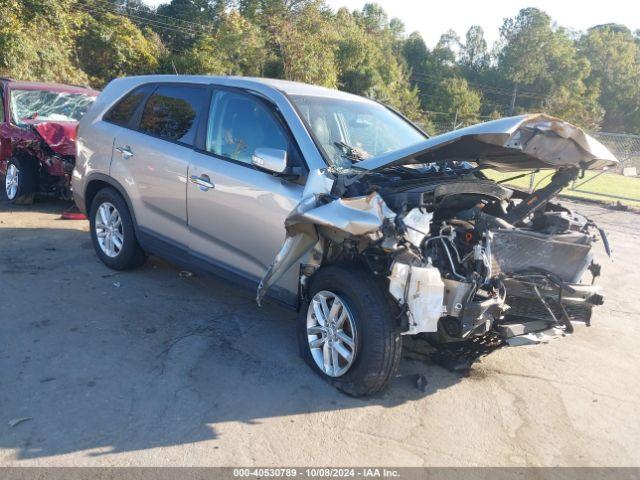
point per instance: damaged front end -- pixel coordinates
(462, 255)
(53, 145)
(41, 137)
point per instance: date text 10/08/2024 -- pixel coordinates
(316, 472)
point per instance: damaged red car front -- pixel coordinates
(37, 137)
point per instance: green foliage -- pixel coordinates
(592, 79)
(415, 52)
(614, 55)
(544, 59)
(237, 48)
(110, 46)
(474, 56)
(454, 95)
(305, 45)
(198, 12)
(37, 38)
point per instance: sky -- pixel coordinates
(432, 19)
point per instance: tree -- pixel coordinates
(614, 55)
(37, 40)
(305, 45)
(592, 79)
(447, 49)
(110, 46)
(237, 48)
(544, 61)
(474, 57)
(249, 9)
(189, 19)
(368, 61)
(453, 95)
(372, 18)
(415, 52)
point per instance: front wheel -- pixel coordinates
(20, 181)
(347, 331)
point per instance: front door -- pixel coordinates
(236, 212)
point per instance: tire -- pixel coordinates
(376, 335)
(107, 232)
(21, 181)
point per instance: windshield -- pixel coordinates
(43, 105)
(352, 130)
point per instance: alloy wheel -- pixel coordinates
(331, 333)
(11, 181)
(109, 231)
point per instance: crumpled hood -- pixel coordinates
(508, 144)
(60, 136)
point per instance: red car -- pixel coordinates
(37, 137)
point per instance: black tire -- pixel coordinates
(378, 339)
(27, 179)
(130, 254)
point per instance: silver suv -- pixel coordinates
(340, 207)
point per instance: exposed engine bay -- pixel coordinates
(462, 255)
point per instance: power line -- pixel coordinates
(485, 87)
(432, 112)
(137, 19)
(492, 88)
(144, 11)
(488, 89)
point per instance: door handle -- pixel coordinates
(204, 182)
(125, 152)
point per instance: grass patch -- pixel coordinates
(605, 188)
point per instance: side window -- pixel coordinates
(171, 112)
(239, 123)
(123, 111)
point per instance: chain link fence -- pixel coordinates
(624, 146)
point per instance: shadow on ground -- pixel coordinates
(41, 205)
(122, 361)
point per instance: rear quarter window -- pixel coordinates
(122, 112)
(171, 112)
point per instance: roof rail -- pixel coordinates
(7, 79)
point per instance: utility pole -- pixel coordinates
(514, 95)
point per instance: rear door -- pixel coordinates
(238, 222)
(151, 157)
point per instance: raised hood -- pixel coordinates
(60, 136)
(508, 144)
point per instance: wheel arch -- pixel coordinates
(97, 182)
(353, 264)
(23, 156)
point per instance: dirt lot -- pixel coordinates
(154, 368)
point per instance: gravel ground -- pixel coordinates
(154, 368)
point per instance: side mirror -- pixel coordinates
(270, 159)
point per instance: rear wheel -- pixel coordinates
(113, 232)
(20, 181)
(348, 332)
